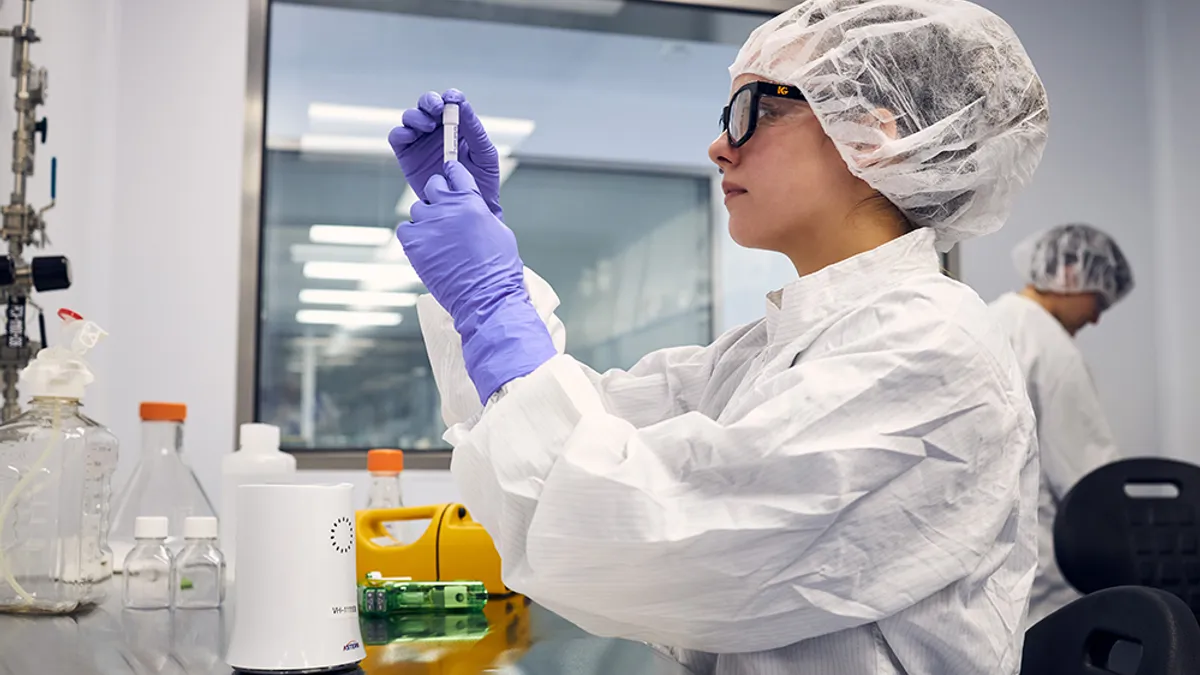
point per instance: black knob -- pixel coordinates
(42, 127)
(8, 271)
(51, 273)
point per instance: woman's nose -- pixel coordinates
(722, 153)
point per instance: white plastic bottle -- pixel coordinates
(258, 460)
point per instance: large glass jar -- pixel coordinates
(56, 467)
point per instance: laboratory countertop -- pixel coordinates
(511, 636)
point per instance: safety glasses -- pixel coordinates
(740, 117)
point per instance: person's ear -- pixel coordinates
(884, 121)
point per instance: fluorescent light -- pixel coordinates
(597, 7)
(376, 276)
(348, 319)
(334, 112)
(361, 114)
(345, 145)
(302, 253)
(322, 296)
(350, 235)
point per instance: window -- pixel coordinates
(603, 110)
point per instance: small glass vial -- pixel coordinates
(147, 582)
(199, 572)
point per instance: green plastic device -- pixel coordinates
(427, 627)
(380, 596)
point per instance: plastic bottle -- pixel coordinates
(56, 465)
(386, 492)
(147, 576)
(199, 573)
(161, 484)
(259, 460)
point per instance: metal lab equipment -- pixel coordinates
(23, 225)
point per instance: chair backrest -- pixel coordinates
(1126, 630)
(1104, 537)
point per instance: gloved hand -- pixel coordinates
(419, 146)
(468, 260)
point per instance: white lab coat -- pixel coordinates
(847, 486)
(1073, 433)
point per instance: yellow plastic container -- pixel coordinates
(453, 548)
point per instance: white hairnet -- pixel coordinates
(1074, 258)
(970, 111)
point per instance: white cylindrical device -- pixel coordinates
(296, 600)
(450, 135)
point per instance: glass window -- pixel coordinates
(603, 110)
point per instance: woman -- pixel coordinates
(846, 486)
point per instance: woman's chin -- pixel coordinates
(745, 234)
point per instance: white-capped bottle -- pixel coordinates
(199, 578)
(147, 571)
(258, 460)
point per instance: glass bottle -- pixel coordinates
(147, 569)
(161, 484)
(56, 465)
(385, 467)
(199, 573)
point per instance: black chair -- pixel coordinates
(1128, 630)
(1106, 534)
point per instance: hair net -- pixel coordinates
(970, 111)
(1074, 258)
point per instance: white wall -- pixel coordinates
(1174, 89)
(146, 106)
(1097, 169)
(146, 115)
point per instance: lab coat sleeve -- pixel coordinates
(664, 383)
(1073, 431)
(845, 489)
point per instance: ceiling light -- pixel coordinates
(323, 296)
(344, 145)
(377, 276)
(350, 235)
(347, 319)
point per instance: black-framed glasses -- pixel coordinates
(740, 117)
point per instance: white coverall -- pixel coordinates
(847, 486)
(1073, 433)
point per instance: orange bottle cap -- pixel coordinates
(163, 412)
(385, 461)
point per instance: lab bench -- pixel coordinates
(109, 640)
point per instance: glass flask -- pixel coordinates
(56, 468)
(162, 484)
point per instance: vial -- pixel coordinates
(147, 576)
(199, 573)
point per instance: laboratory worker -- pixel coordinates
(1072, 275)
(847, 486)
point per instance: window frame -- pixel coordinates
(250, 256)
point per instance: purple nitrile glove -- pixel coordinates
(419, 148)
(468, 260)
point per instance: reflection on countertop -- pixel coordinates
(511, 636)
